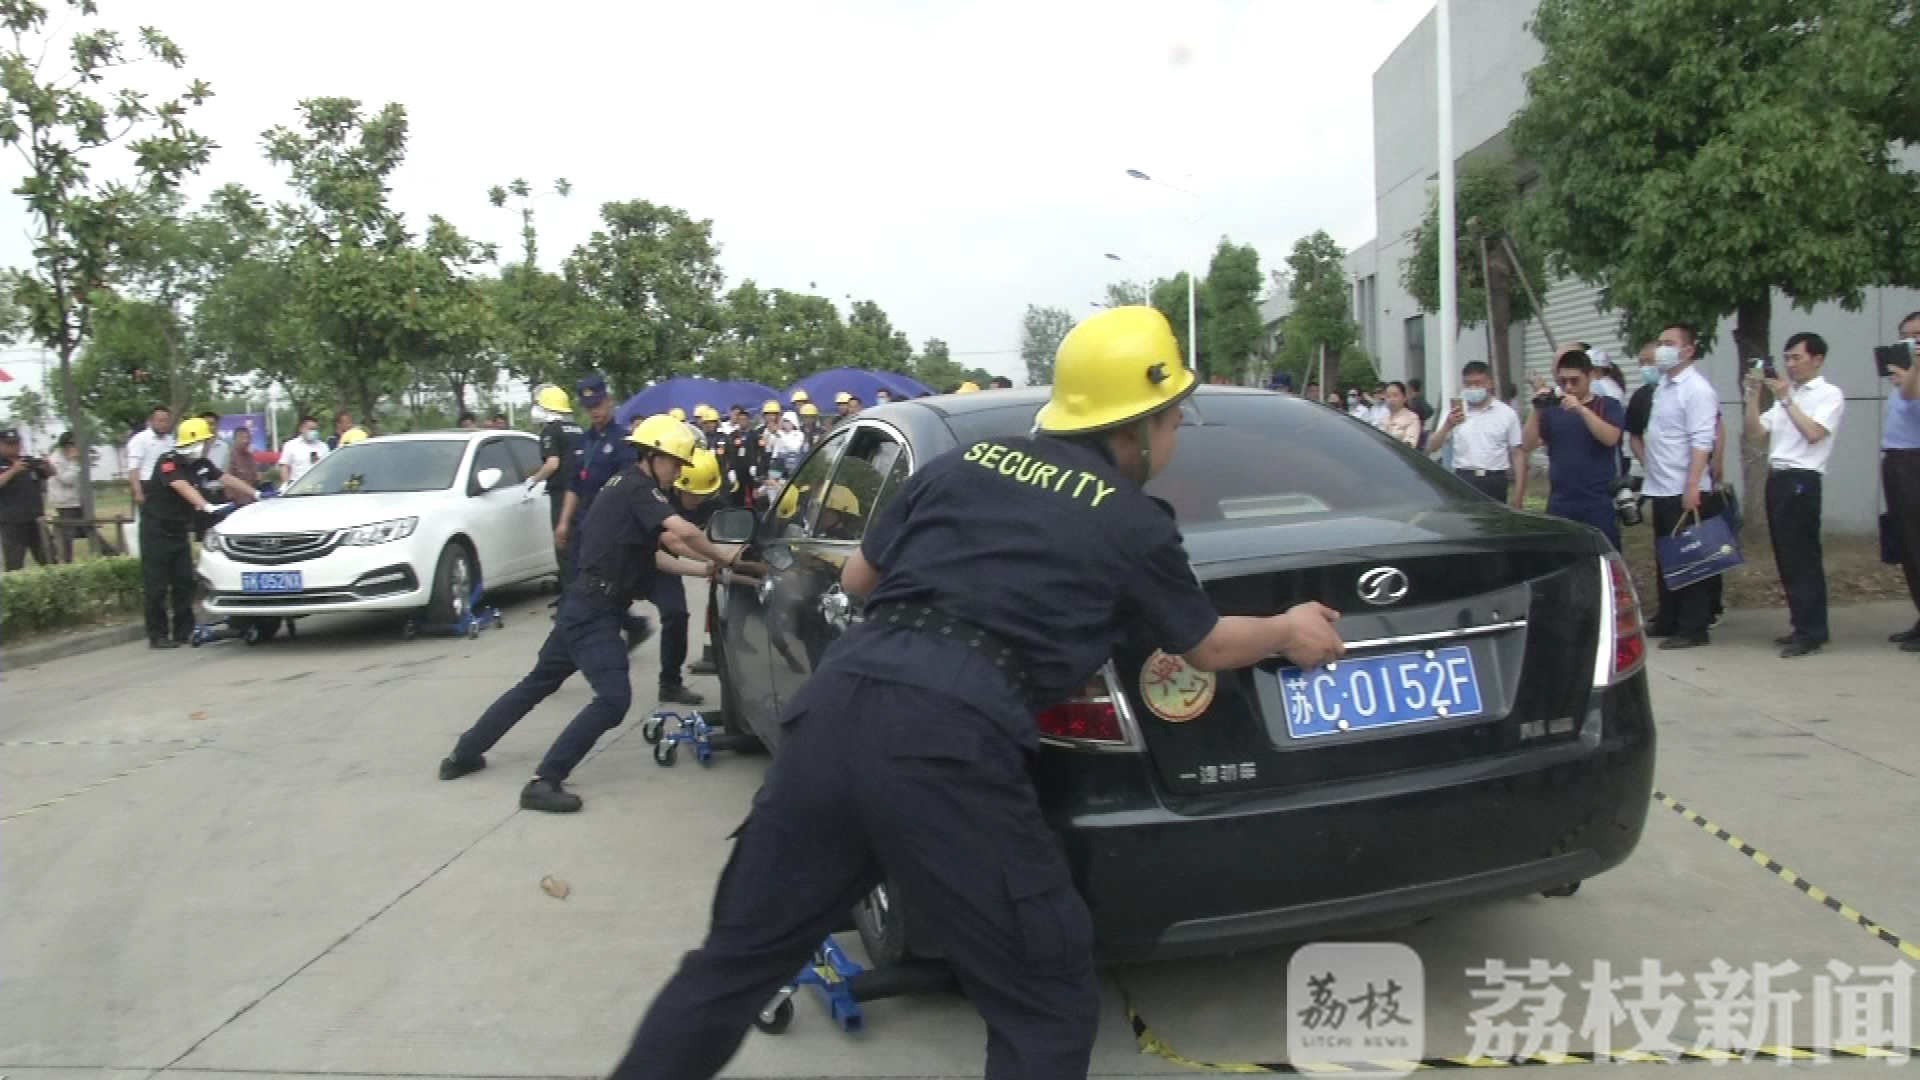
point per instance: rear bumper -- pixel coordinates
(1361, 856)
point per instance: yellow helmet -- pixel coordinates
(702, 474)
(968, 388)
(771, 406)
(352, 435)
(1119, 366)
(839, 498)
(790, 500)
(808, 408)
(842, 398)
(800, 397)
(703, 413)
(554, 399)
(192, 432)
(665, 435)
(678, 413)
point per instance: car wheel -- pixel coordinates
(881, 922)
(452, 585)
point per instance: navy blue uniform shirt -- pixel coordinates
(1043, 543)
(622, 533)
(604, 452)
(561, 439)
(168, 509)
(1579, 466)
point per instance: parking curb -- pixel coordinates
(13, 657)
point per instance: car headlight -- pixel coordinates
(213, 541)
(380, 532)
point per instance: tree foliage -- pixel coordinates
(1230, 334)
(1695, 157)
(649, 280)
(1322, 315)
(1126, 294)
(1486, 201)
(1041, 331)
(61, 120)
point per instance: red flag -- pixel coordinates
(4, 377)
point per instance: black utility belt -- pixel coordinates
(931, 620)
(598, 590)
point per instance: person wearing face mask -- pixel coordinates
(302, 452)
(176, 495)
(1900, 469)
(1682, 432)
(1488, 444)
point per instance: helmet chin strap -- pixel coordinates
(1143, 432)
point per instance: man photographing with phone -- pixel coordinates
(1799, 420)
(1900, 467)
(1488, 447)
(1581, 431)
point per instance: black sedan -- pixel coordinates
(1488, 734)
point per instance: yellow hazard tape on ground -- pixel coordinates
(1153, 1044)
(1826, 899)
(77, 792)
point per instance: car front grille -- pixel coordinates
(272, 548)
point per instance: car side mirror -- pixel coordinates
(733, 525)
(487, 479)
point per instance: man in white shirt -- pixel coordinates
(144, 451)
(302, 452)
(1489, 446)
(1681, 433)
(1799, 428)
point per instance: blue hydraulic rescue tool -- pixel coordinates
(843, 984)
(475, 618)
(692, 729)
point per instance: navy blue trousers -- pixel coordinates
(669, 598)
(1597, 512)
(875, 780)
(586, 639)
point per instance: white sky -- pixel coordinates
(951, 160)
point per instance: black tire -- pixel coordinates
(453, 580)
(882, 924)
(782, 1017)
(663, 753)
(1560, 891)
(650, 730)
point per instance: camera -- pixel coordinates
(1626, 499)
(1888, 357)
(1546, 399)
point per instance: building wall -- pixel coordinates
(1492, 50)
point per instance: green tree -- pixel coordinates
(27, 410)
(1126, 294)
(872, 343)
(373, 293)
(1169, 297)
(536, 312)
(1321, 322)
(62, 119)
(1486, 201)
(523, 192)
(1695, 157)
(1041, 331)
(650, 279)
(134, 360)
(940, 372)
(1232, 332)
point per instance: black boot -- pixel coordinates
(549, 797)
(678, 694)
(453, 768)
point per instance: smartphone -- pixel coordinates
(1888, 357)
(1765, 368)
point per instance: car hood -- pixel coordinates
(1339, 538)
(323, 513)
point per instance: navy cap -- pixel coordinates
(9, 435)
(593, 391)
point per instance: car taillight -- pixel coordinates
(1095, 719)
(1623, 636)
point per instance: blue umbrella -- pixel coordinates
(686, 391)
(821, 386)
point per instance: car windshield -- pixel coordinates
(1269, 457)
(373, 468)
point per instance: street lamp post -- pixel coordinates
(1193, 336)
(1443, 62)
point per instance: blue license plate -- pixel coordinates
(1380, 691)
(278, 581)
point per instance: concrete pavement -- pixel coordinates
(237, 860)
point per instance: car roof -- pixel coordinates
(447, 433)
(1036, 396)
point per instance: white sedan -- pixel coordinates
(405, 523)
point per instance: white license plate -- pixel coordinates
(275, 581)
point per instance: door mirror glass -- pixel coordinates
(487, 479)
(733, 525)
(780, 557)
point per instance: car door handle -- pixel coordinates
(837, 608)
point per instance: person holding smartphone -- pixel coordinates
(1798, 420)
(1900, 469)
(1488, 445)
(1581, 430)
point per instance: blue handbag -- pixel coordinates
(1694, 553)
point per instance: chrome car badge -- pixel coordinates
(1383, 585)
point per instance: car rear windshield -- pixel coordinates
(1266, 457)
(380, 468)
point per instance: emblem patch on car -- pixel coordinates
(1383, 585)
(1174, 690)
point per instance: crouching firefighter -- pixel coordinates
(619, 558)
(997, 582)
